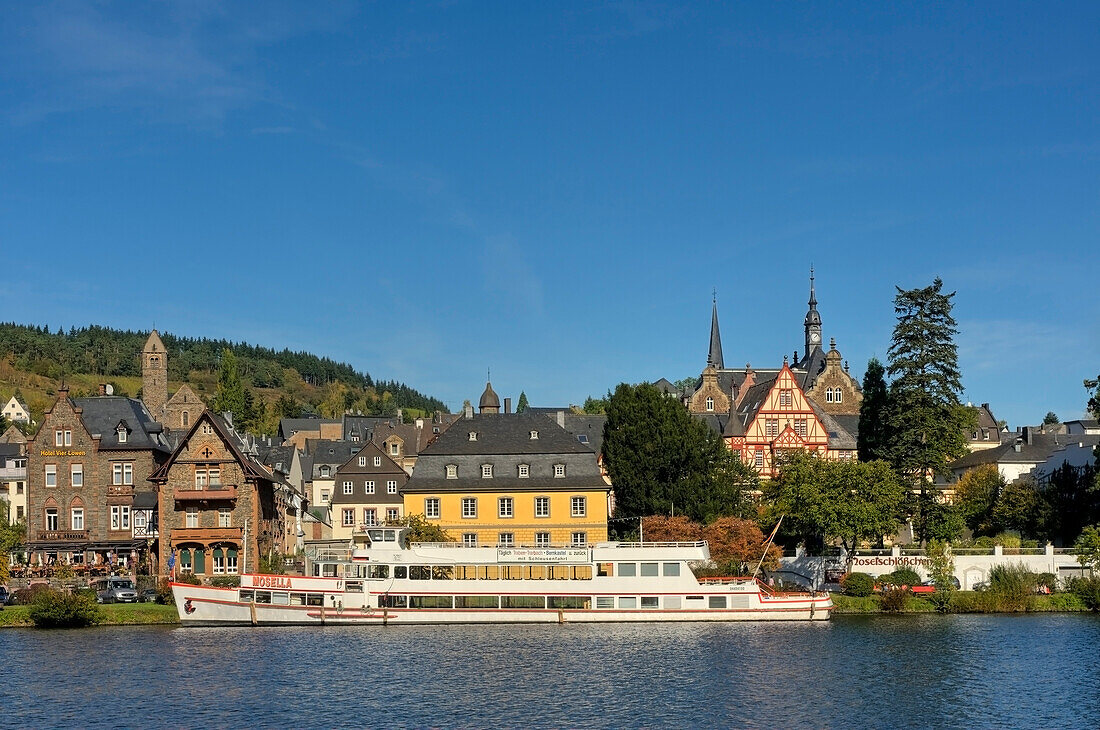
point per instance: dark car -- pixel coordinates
(149, 595)
(5, 596)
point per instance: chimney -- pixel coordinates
(103, 389)
(561, 418)
(400, 419)
(468, 411)
(420, 423)
(507, 405)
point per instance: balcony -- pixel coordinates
(221, 492)
(206, 534)
(13, 474)
(60, 535)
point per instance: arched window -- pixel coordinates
(828, 395)
(218, 560)
(710, 403)
(837, 396)
(186, 418)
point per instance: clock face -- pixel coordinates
(815, 337)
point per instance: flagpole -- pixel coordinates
(767, 544)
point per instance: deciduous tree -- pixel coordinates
(976, 493)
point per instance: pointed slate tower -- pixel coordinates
(714, 357)
(154, 376)
(813, 320)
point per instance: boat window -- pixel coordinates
(315, 599)
(513, 572)
(379, 571)
(488, 572)
(429, 601)
(672, 602)
(465, 572)
(695, 598)
(475, 602)
(391, 535)
(628, 602)
(582, 572)
(316, 570)
(354, 587)
(628, 570)
(568, 602)
(393, 601)
(523, 602)
(375, 535)
(536, 572)
(649, 601)
(670, 569)
(442, 572)
(280, 598)
(400, 571)
(717, 602)
(328, 570)
(297, 599)
(246, 596)
(605, 569)
(561, 572)
(649, 569)
(420, 572)
(605, 602)
(263, 596)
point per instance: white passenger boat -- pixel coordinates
(389, 583)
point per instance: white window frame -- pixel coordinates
(77, 518)
(431, 508)
(68, 438)
(486, 471)
(578, 506)
(559, 471)
(506, 508)
(506, 539)
(579, 539)
(58, 438)
(128, 473)
(191, 518)
(55, 513)
(469, 539)
(542, 507)
(362, 461)
(542, 539)
(710, 403)
(393, 514)
(524, 471)
(225, 517)
(369, 486)
(391, 486)
(116, 473)
(469, 508)
(349, 486)
(370, 516)
(50, 472)
(452, 471)
(76, 475)
(230, 563)
(347, 517)
(378, 461)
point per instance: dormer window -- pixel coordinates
(324, 471)
(486, 471)
(524, 471)
(122, 434)
(452, 471)
(473, 435)
(559, 470)
(534, 435)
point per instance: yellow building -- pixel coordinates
(510, 479)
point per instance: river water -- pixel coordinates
(876, 672)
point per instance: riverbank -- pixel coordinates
(114, 614)
(964, 602)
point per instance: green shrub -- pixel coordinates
(164, 592)
(1088, 590)
(901, 577)
(26, 596)
(1047, 580)
(56, 610)
(857, 584)
(226, 581)
(966, 602)
(188, 578)
(1013, 586)
(1064, 602)
(941, 600)
(895, 600)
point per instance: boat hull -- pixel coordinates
(201, 605)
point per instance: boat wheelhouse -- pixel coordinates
(391, 582)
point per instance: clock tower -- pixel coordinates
(813, 320)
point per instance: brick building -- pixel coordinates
(367, 492)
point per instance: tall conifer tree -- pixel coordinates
(873, 440)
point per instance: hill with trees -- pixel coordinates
(34, 361)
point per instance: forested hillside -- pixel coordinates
(34, 361)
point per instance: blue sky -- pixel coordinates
(552, 190)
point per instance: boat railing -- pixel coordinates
(331, 556)
(648, 544)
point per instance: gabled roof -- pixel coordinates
(153, 344)
(102, 416)
(290, 426)
(499, 433)
(235, 441)
(754, 399)
(586, 428)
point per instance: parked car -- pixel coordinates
(5, 596)
(149, 595)
(112, 590)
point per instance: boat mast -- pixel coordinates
(767, 544)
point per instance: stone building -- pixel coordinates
(218, 510)
(175, 413)
(84, 466)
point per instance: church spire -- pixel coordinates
(714, 357)
(813, 320)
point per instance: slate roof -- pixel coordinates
(362, 426)
(489, 398)
(145, 500)
(850, 424)
(808, 368)
(407, 432)
(11, 450)
(238, 444)
(590, 426)
(754, 399)
(290, 426)
(103, 414)
(499, 433)
(1035, 447)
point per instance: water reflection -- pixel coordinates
(910, 671)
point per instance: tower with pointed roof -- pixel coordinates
(714, 357)
(154, 376)
(813, 320)
(490, 401)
